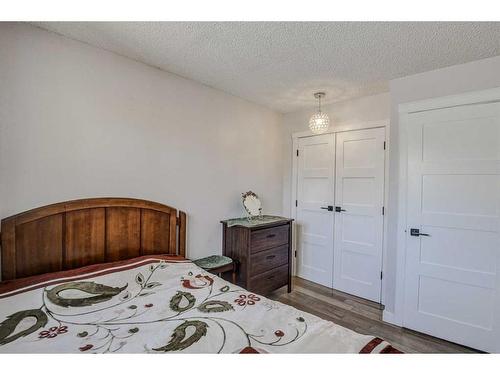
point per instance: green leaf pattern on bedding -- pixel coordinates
(182, 301)
(179, 341)
(126, 314)
(8, 326)
(101, 293)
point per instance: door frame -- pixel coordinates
(293, 196)
(404, 110)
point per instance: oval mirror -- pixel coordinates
(252, 204)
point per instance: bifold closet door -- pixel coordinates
(453, 222)
(359, 197)
(314, 222)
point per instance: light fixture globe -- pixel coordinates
(319, 122)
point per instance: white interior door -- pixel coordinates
(314, 224)
(359, 194)
(453, 200)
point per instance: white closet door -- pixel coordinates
(359, 194)
(314, 224)
(453, 202)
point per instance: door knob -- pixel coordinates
(329, 208)
(339, 209)
(416, 232)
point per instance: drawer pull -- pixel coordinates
(271, 256)
(271, 235)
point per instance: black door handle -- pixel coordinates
(416, 232)
(339, 209)
(329, 208)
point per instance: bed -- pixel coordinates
(110, 275)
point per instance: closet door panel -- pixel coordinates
(359, 197)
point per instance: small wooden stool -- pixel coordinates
(218, 264)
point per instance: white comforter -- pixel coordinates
(159, 305)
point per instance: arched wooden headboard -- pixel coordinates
(77, 233)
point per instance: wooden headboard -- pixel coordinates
(76, 233)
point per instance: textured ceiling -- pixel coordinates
(281, 64)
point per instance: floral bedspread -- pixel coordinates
(159, 305)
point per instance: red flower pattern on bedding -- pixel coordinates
(279, 333)
(249, 299)
(251, 350)
(53, 332)
(197, 282)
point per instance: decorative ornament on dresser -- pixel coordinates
(252, 205)
(319, 122)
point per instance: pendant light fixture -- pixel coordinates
(319, 122)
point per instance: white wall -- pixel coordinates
(361, 110)
(473, 76)
(77, 121)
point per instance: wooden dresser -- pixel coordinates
(263, 252)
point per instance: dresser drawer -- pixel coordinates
(268, 259)
(270, 280)
(264, 239)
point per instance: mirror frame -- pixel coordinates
(246, 195)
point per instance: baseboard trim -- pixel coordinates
(389, 317)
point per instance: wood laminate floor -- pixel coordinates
(361, 316)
